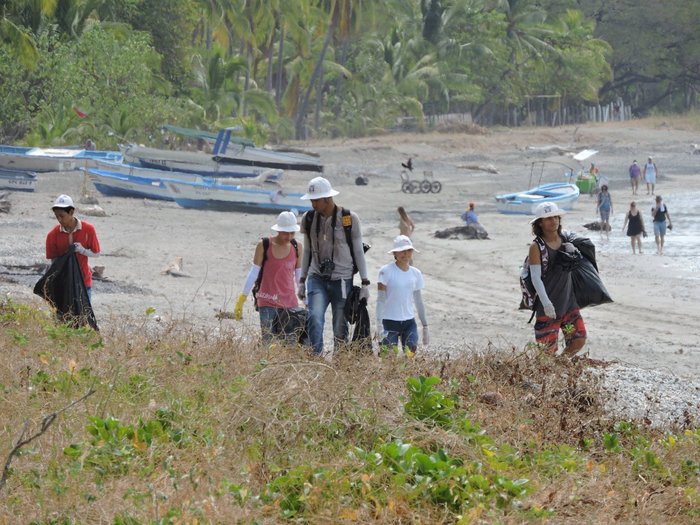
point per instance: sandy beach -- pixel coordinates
(472, 290)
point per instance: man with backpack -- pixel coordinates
(333, 253)
(273, 278)
(556, 307)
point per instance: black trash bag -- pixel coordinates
(568, 257)
(361, 180)
(588, 286)
(294, 322)
(356, 313)
(582, 244)
(63, 287)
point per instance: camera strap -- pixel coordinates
(334, 220)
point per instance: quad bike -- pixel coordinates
(427, 185)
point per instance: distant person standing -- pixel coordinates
(650, 174)
(635, 173)
(72, 231)
(399, 288)
(274, 275)
(332, 247)
(406, 225)
(605, 208)
(635, 227)
(661, 216)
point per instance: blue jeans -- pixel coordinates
(407, 331)
(281, 323)
(320, 294)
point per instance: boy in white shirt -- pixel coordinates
(399, 288)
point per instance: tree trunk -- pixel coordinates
(280, 70)
(300, 121)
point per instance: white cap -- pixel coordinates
(319, 188)
(401, 244)
(286, 222)
(547, 209)
(63, 201)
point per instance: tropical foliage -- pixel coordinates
(297, 68)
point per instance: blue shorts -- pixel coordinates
(406, 331)
(660, 228)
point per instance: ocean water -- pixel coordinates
(682, 243)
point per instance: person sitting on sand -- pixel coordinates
(399, 288)
(406, 225)
(276, 297)
(557, 308)
(636, 227)
(469, 216)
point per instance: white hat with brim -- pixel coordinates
(319, 188)
(286, 222)
(547, 209)
(63, 201)
(401, 244)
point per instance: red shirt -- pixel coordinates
(58, 240)
(277, 286)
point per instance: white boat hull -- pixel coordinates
(524, 203)
(224, 197)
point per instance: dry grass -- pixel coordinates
(232, 433)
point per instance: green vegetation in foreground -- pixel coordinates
(190, 427)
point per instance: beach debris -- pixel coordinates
(93, 211)
(491, 398)
(98, 273)
(5, 204)
(408, 164)
(463, 232)
(555, 148)
(174, 268)
(223, 314)
(595, 226)
(361, 180)
(488, 168)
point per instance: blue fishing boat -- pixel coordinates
(563, 194)
(17, 180)
(52, 159)
(227, 197)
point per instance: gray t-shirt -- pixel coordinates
(332, 244)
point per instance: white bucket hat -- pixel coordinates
(319, 188)
(286, 222)
(63, 201)
(401, 244)
(547, 209)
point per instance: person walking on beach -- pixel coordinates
(71, 231)
(650, 174)
(660, 215)
(274, 277)
(605, 208)
(406, 225)
(635, 173)
(333, 247)
(556, 308)
(399, 288)
(636, 227)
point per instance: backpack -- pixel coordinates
(529, 298)
(258, 281)
(347, 226)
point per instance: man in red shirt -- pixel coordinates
(70, 230)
